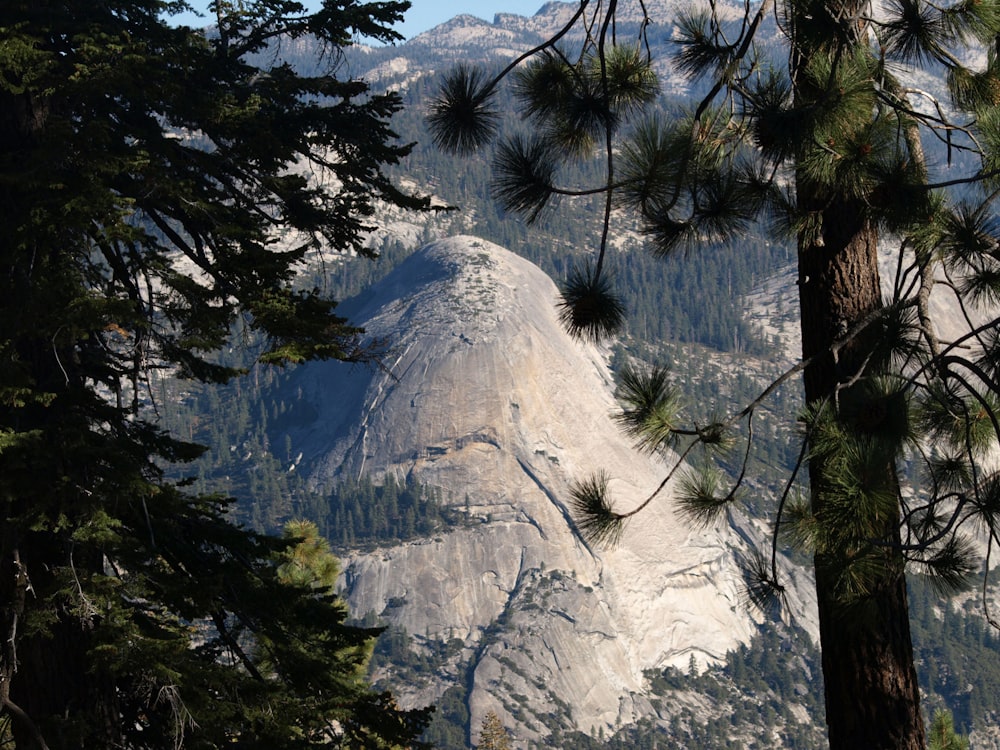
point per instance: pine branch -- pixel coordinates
(461, 117)
(988, 409)
(589, 309)
(595, 517)
(761, 589)
(650, 407)
(950, 567)
(913, 33)
(592, 507)
(779, 524)
(699, 498)
(523, 175)
(955, 521)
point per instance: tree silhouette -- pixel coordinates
(157, 190)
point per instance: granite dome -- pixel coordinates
(485, 395)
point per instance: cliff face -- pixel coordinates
(484, 395)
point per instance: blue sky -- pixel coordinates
(425, 14)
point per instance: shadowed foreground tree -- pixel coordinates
(156, 189)
(823, 142)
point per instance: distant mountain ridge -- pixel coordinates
(470, 39)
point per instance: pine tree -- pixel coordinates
(942, 735)
(156, 190)
(824, 143)
(493, 735)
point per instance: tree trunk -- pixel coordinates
(872, 695)
(61, 699)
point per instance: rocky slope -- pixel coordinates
(485, 395)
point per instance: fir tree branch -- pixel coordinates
(218, 619)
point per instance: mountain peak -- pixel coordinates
(473, 334)
(454, 287)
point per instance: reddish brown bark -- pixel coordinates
(872, 694)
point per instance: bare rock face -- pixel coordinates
(485, 396)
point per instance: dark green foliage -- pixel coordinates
(702, 496)
(359, 513)
(573, 105)
(591, 505)
(701, 51)
(523, 172)
(152, 194)
(462, 114)
(589, 308)
(650, 405)
(567, 103)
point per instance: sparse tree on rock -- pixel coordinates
(493, 735)
(156, 190)
(818, 136)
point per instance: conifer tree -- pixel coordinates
(492, 734)
(814, 133)
(159, 186)
(942, 734)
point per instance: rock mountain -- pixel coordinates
(484, 394)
